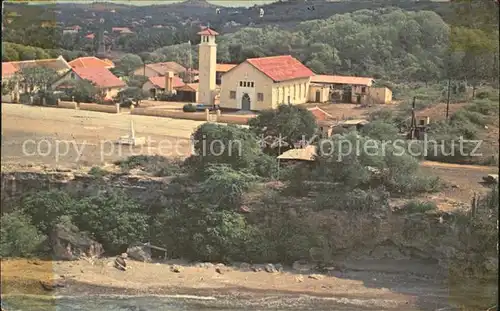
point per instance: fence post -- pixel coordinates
(473, 206)
(117, 107)
(207, 114)
(58, 102)
(217, 112)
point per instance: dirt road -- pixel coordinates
(71, 137)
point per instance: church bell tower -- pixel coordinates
(207, 61)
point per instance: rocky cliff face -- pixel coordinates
(434, 236)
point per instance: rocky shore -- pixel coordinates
(242, 283)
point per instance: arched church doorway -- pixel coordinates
(245, 102)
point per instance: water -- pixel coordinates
(191, 303)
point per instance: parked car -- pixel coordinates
(202, 107)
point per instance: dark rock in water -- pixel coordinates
(51, 285)
(278, 267)
(70, 244)
(255, 268)
(120, 262)
(176, 269)
(139, 253)
(219, 270)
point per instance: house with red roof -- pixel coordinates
(91, 62)
(158, 85)
(101, 77)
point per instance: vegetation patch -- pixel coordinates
(156, 165)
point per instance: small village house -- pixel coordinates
(91, 62)
(221, 69)
(188, 93)
(102, 78)
(159, 69)
(161, 85)
(9, 70)
(356, 90)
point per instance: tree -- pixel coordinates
(127, 64)
(135, 94)
(18, 236)
(288, 124)
(83, 91)
(113, 218)
(46, 207)
(221, 144)
(36, 78)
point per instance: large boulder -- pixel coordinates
(68, 243)
(139, 253)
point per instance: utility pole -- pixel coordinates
(448, 100)
(413, 123)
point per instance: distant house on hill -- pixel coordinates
(101, 77)
(121, 30)
(159, 69)
(71, 30)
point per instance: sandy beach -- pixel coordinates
(380, 290)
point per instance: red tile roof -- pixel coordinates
(281, 68)
(8, 69)
(101, 77)
(224, 67)
(160, 82)
(91, 62)
(163, 68)
(58, 64)
(208, 32)
(342, 80)
(320, 114)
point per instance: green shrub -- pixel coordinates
(189, 108)
(46, 207)
(414, 207)
(19, 237)
(98, 172)
(195, 230)
(485, 107)
(224, 187)
(112, 218)
(355, 200)
(380, 130)
(464, 116)
(482, 95)
(266, 166)
(224, 144)
(157, 165)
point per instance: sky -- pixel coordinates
(233, 3)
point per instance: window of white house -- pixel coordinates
(260, 97)
(251, 84)
(241, 83)
(232, 94)
(363, 89)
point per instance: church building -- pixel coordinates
(257, 83)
